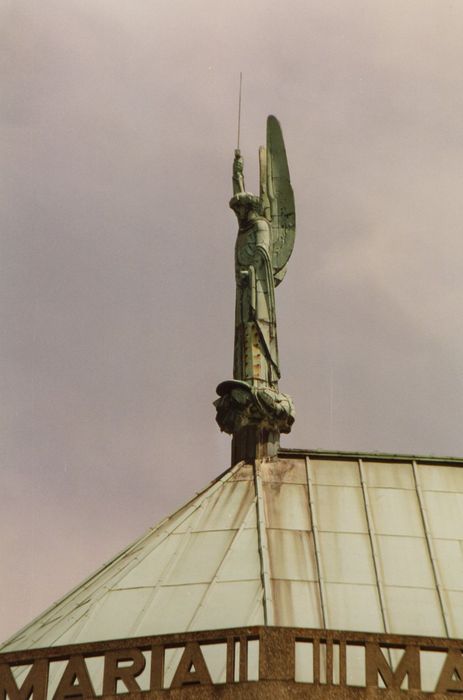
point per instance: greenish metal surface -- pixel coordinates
(266, 231)
(251, 407)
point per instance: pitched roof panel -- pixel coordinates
(354, 542)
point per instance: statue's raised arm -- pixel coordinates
(251, 406)
(238, 176)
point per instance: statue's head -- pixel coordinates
(245, 204)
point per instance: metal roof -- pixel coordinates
(322, 540)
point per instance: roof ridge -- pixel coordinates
(392, 456)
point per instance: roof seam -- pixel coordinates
(263, 548)
(314, 524)
(385, 585)
(373, 544)
(432, 556)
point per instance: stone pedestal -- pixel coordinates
(255, 416)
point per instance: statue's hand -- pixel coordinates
(243, 278)
(238, 162)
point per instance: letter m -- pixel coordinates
(377, 665)
(33, 686)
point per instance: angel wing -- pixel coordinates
(277, 197)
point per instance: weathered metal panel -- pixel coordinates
(414, 610)
(201, 557)
(231, 601)
(117, 610)
(149, 568)
(244, 472)
(449, 559)
(296, 601)
(346, 558)
(284, 471)
(171, 606)
(286, 506)
(242, 562)
(404, 561)
(340, 509)
(335, 472)
(396, 512)
(228, 507)
(441, 478)
(391, 475)
(445, 513)
(353, 607)
(291, 554)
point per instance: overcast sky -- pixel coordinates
(117, 276)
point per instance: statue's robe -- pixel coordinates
(256, 349)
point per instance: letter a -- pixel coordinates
(76, 670)
(451, 677)
(192, 668)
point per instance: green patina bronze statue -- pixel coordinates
(250, 407)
